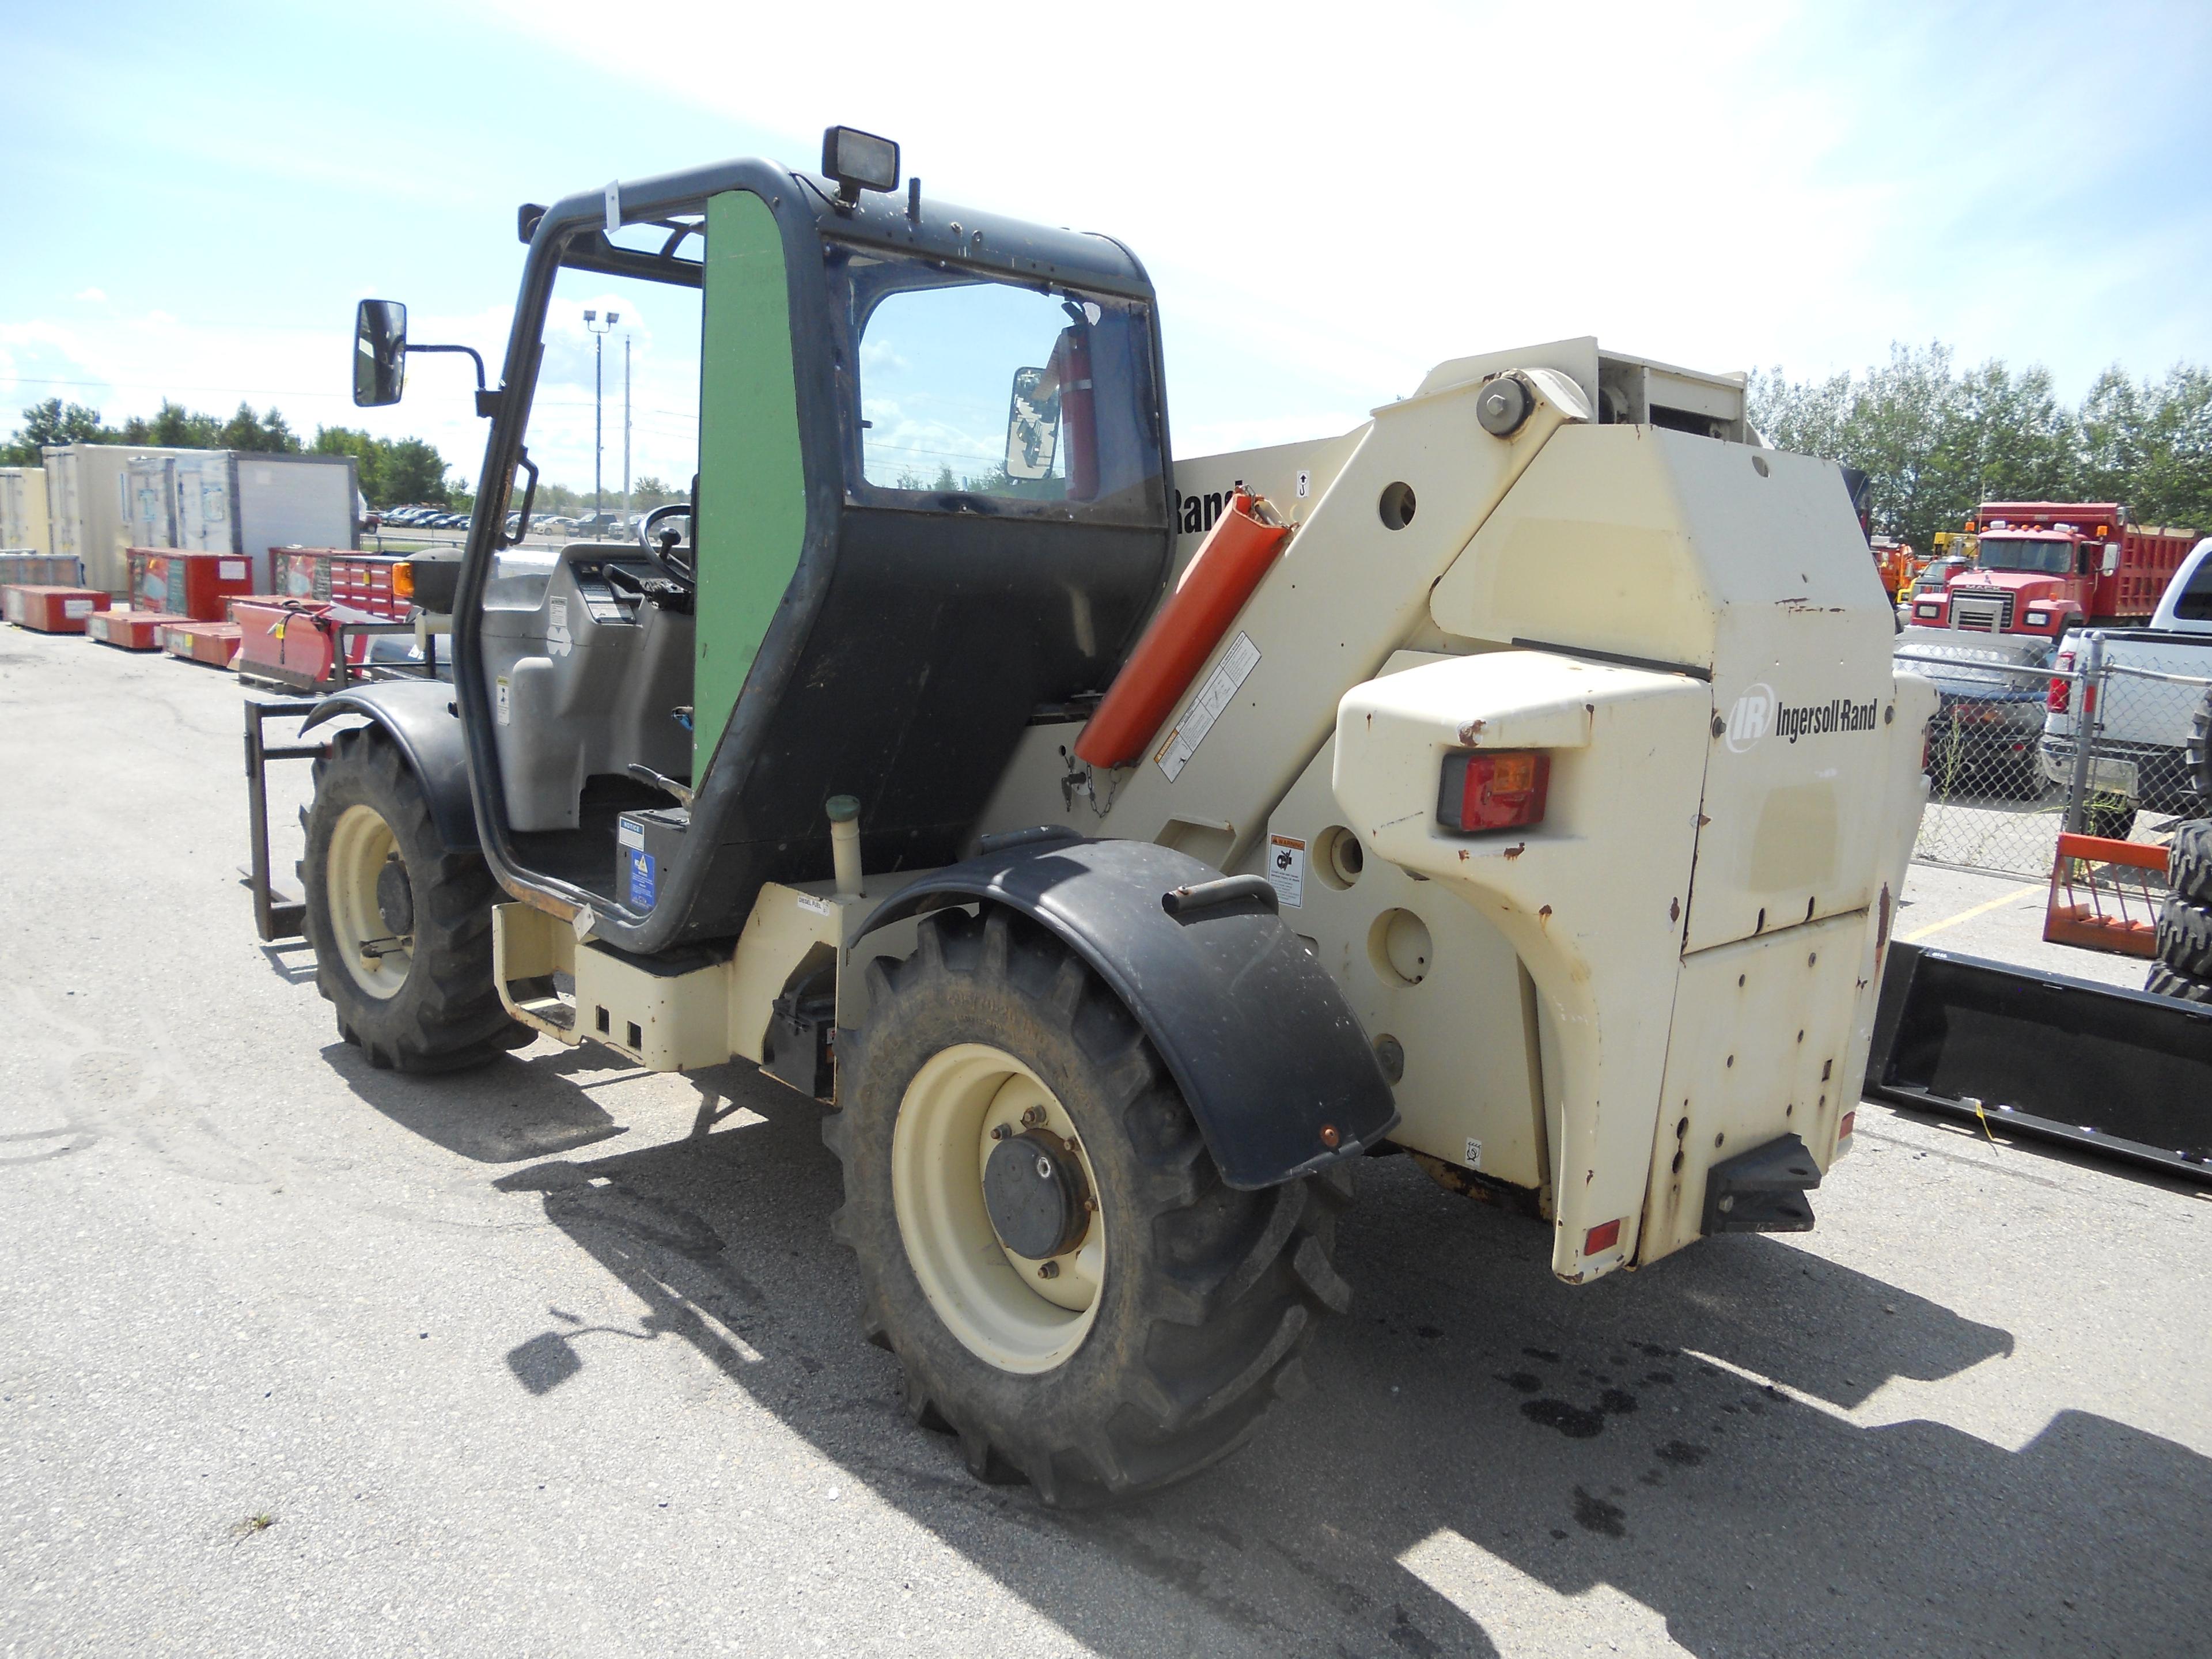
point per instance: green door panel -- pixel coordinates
(752, 483)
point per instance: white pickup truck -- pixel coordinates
(2155, 745)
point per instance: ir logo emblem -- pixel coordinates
(1751, 719)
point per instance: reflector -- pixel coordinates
(1503, 790)
(1601, 1237)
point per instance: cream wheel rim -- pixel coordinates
(1018, 1314)
(378, 958)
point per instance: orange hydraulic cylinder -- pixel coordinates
(1237, 553)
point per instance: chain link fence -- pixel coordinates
(2006, 772)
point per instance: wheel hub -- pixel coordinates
(1036, 1196)
(395, 897)
(975, 1116)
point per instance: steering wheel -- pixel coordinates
(661, 545)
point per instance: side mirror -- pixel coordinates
(379, 352)
(2111, 558)
(1032, 425)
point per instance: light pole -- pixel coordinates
(599, 333)
(625, 425)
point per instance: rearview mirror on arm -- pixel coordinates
(379, 352)
(1032, 424)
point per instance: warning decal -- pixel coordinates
(1236, 666)
(1286, 868)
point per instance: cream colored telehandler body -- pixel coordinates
(1677, 965)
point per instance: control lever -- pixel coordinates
(666, 785)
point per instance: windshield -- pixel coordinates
(959, 388)
(2048, 558)
(2194, 602)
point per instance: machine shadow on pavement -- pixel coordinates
(1474, 1426)
(500, 1114)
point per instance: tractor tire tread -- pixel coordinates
(1225, 1287)
(2189, 862)
(2166, 982)
(2185, 937)
(2197, 753)
(448, 1016)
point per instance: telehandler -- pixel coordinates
(1122, 848)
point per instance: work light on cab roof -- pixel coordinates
(858, 160)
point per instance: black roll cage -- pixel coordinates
(572, 235)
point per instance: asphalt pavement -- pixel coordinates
(559, 1357)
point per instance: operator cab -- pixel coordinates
(928, 506)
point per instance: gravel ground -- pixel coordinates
(558, 1358)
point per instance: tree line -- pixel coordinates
(1936, 439)
(393, 470)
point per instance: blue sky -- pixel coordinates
(1330, 199)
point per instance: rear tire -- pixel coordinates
(401, 928)
(1205, 1297)
(2164, 982)
(2184, 938)
(2189, 862)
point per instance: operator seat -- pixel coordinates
(910, 651)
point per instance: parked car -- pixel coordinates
(2148, 725)
(604, 524)
(1990, 710)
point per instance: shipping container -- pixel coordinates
(39, 570)
(23, 510)
(362, 580)
(104, 498)
(214, 644)
(89, 509)
(294, 642)
(128, 630)
(191, 587)
(285, 501)
(51, 609)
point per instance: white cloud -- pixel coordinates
(1331, 201)
(94, 296)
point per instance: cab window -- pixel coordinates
(967, 392)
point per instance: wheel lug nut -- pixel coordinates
(1048, 1270)
(1033, 1117)
(1002, 1132)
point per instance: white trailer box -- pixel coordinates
(23, 509)
(293, 501)
(242, 502)
(89, 507)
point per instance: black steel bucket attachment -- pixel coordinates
(1763, 1190)
(2126, 1072)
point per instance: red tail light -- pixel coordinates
(2055, 701)
(1502, 789)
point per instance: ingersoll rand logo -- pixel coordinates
(1758, 712)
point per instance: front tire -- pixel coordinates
(401, 928)
(1178, 1308)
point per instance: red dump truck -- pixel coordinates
(2047, 566)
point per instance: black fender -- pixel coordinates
(419, 716)
(1275, 1068)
